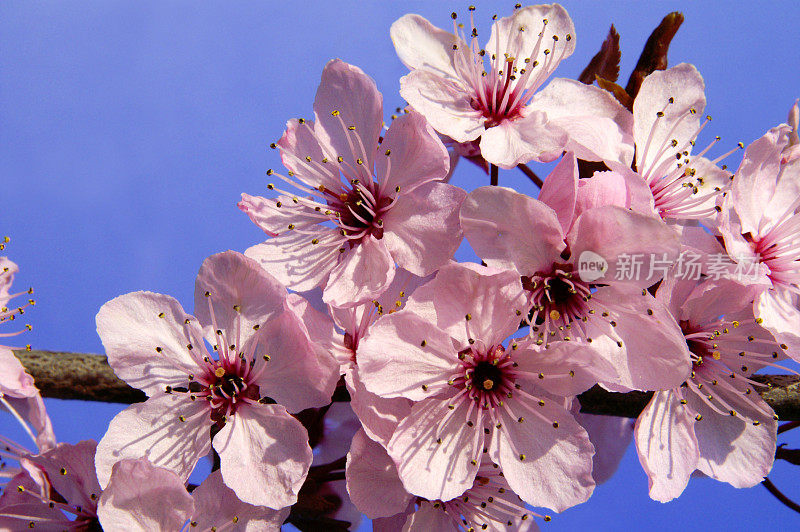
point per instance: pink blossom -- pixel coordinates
(375, 488)
(474, 396)
(465, 98)
(262, 354)
(715, 422)
(56, 490)
(792, 149)
(365, 202)
(612, 313)
(761, 229)
(142, 497)
(679, 185)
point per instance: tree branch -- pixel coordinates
(89, 378)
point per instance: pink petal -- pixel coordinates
(216, 505)
(519, 141)
(621, 187)
(140, 496)
(611, 437)
(264, 455)
(421, 45)
(547, 463)
(299, 374)
(560, 190)
(379, 416)
(437, 470)
(365, 272)
(596, 126)
(652, 133)
(521, 44)
(617, 234)
(780, 315)
(445, 103)
(558, 359)
(131, 327)
(274, 220)
(422, 232)
(471, 301)
(15, 381)
(427, 518)
(668, 450)
(417, 156)
(154, 430)
(33, 411)
(414, 371)
(295, 261)
(298, 142)
(653, 354)
(347, 89)
(70, 469)
(372, 481)
(241, 293)
(756, 183)
(509, 230)
(732, 449)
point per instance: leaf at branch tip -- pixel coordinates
(619, 93)
(654, 54)
(605, 63)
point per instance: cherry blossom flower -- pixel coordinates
(677, 184)
(467, 92)
(715, 422)
(142, 497)
(761, 229)
(56, 490)
(376, 489)
(474, 396)
(545, 241)
(262, 355)
(365, 202)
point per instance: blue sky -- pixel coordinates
(129, 129)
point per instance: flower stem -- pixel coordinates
(493, 175)
(767, 483)
(531, 175)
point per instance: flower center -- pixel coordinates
(360, 211)
(487, 376)
(558, 300)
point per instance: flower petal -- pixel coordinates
(668, 450)
(154, 429)
(241, 293)
(422, 232)
(518, 141)
(446, 104)
(437, 470)
(681, 84)
(421, 45)
(597, 127)
(264, 455)
(145, 336)
(372, 481)
(403, 355)
(142, 497)
(347, 89)
(364, 273)
(560, 190)
(216, 505)
(547, 463)
(509, 230)
(417, 156)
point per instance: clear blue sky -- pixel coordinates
(129, 129)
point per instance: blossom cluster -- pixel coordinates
(459, 380)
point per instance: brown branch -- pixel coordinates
(767, 483)
(89, 378)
